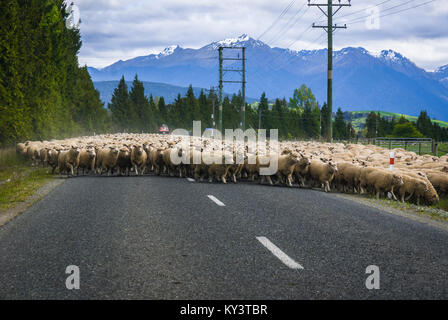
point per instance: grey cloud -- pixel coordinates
(113, 29)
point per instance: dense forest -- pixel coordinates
(300, 117)
(43, 92)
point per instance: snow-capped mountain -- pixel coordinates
(243, 40)
(441, 74)
(363, 80)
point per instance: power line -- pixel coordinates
(363, 10)
(291, 23)
(268, 63)
(416, 6)
(392, 13)
(384, 10)
(282, 14)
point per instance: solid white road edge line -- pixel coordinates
(279, 253)
(219, 203)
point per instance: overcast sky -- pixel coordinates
(116, 29)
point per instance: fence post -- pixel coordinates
(390, 144)
(406, 145)
(436, 149)
(419, 148)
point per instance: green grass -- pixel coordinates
(443, 203)
(18, 180)
(442, 149)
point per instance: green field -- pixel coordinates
(359, 118)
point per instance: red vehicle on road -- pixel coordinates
(164, 129)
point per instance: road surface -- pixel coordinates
(169, 238)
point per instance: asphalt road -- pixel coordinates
(164, 238)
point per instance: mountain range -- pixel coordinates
(363, 80)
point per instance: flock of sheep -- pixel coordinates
(338, 167)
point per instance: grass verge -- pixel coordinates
(18, 180)
(438, 212)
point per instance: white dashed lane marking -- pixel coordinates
(219, 203)
(191, 180)
(279, 253)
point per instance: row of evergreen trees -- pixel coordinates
(301, 117)
(43, 92)
(378, 126)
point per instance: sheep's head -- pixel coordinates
(397, 180)
(124, 152)
(286, 151)
(431, 197)
(113, 150)
(333, 168)
(138, 150)
(304, 161)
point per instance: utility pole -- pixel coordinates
(212, 95)
(330, 28)
(259, 117)
(243, 107)
(243, 82)
(220, 89)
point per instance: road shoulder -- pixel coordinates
(9, 214)
(414, 213)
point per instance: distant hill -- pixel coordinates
(358, 118)
(167, 91)
(385, 81)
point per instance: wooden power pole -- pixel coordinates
(330, 29)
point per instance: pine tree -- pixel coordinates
(120, 107)
(372, 125)
(424, 124)
(163, 110)
(310, 120)
(154, 118)
(324, 114)
(192, 110)
(205, 110)
(263, 109)
(340, 128)
(138, 110)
